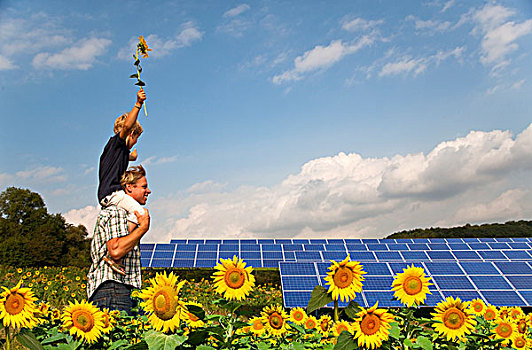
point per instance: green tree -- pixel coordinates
(30, 236)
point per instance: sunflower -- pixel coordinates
(17, 307)
(341, 326)
(505, 330)
(411, 286)
(521, 342)
(522, 324)
(233, 280)
(477, 307)
(83, 320)
(372, 326)
(504, 312)
(193, 320)
(143, 47)
(257, 326)
(345, 279)
(109, 321)
(491, 313)
(161, 302)
(274, 319)
(516, 312)
(454, 318)
(311, 323)
(325, 324)
(298, 315)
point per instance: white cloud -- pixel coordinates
(447, 5)
(430, 25)
(405, 65)
(43, 174)
(235, 11)
(518, 84)
(470, 179)
(81, 55)
(85, 216)
(158, 160)
(499, 35)
(6, 64)
(360, 24)
(188, 34)
(321, 57)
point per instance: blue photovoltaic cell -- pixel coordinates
(185, 255)
(399, 267)
(163, 255)
(289, 256)
(250, 255)
(479, 268)
(248, 242)
(420, 240)
(527, 295)
(514, 268)
(352, 240)
(438, 246)
(499, 246)
(518, 245)
(299, 282)
(362, 256)
(458, 246)
(145, 254)
(414, 246)
(466, 255)
(296, 299)
(207, 255)
(266, 241)
(440, 255)
(377, 282)
(178, 241)
(370, 240)
(374, 247)
(454, 240)
(356, 246)
(479, 246)
(230, 241)
(271, 248)
(376, 269)
(250, 248)
(434, 298)
(318, 241)
(229, 247)
(300, 269)
(283, 241)
(521, 239)
(464, 295)
(503, 298)
(254, 263)
(205, 263)
(213, 241)
(516, 254)
(292, 247)
(161, 263)
(164, 246)
(414, 255)
(438, 240)
(492, 255)
(186, 248)
(336, 256)
(227, 255)
(388, 255)
(470, 240)
(335, 241)
(183, 263)
(487, 239)
(147, 246)
(358, 299)
(323, 268)
(385, 299)
(301, 241)
(503, 239)
(195, 241)
(313, 247)
(453, 282)
(270, 263)
(144, 262)
(490, 282)
(335, 247)
(392, 246)
(521, 282)
(308, 256)
(272, 255)
(208, 248)
(444, 268)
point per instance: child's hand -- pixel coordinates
(133, 155)
(141, 96)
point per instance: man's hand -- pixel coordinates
(144, 220)
(133, 155)
(141, 96)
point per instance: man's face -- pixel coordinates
(139, 191)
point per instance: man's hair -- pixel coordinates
(132, 175)
(119, 124)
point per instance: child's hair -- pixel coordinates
(132, 175)
(119, 124)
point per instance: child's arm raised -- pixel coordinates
(132, 116)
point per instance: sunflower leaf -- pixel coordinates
(134, 75)
(424, 342)
(142, 345)
(196, 338)
(395, 331)
(28, 339)
(352, 309)
(345, 342)
(196, 311)
(118, 344)
(318, 298)
(136, 62)
(140, 83)
(156, 340)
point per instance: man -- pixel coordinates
(106, 287)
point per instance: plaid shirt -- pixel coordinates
(112, 223)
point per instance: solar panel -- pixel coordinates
(521, 282)
(299, 282)
(444, 268)
(250, 255)
(503, 298)
(308, 255)
(490, 282)
(479, 268)
(376, 269)
(514, 268)
(417, 246)
(383, 283)
(385, 298)
(462, 294)
(439, 246)
(466, 255)
(375, 247)
(297, 269)
(314, 247)
(440, 255)
(388, 256)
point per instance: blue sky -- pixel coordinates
(276, 118)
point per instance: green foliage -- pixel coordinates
(318, 299)
(30, 236)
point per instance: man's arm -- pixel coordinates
(120, 246)
(132, 116)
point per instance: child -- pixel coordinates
(114, 162)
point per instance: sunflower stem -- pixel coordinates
(8, 340)
(336, 310)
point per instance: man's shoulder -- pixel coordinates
(111, 210)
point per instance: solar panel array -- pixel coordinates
(497, 270)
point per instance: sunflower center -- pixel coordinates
(310, 324)
(412, 285)
(477, 307)
(519, 342)
(298, 316)
(454, 318)
(276, 320)
(164, 303)
(234, 278)
(106, 321)
(343, 277)
(342, 328)
(521, 326)
(370, 324)
(504, 330)
(83, 320)
(324, 325)
(490, 315)
(14, 303)
(258, 325)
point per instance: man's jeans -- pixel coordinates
(114, 296)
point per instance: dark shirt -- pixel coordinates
(113, 163)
